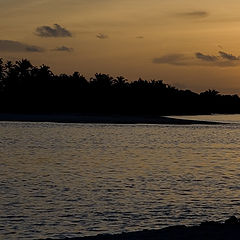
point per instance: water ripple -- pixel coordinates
(67, 180)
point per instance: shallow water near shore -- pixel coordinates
(66, 180)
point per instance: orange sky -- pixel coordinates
(190, 44)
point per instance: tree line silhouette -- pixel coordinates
(25, 88)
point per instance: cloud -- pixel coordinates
(194, 14)
(34, 49)
(200, 59)
(224, 59)
(173, 59)
(15, 46)
(207, 58)
(55, 31)
(63, 49)
(139, 37)
(228, 56)
(102, 36)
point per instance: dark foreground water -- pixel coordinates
(66, 180)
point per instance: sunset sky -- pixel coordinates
(189, 44)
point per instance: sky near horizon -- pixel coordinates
(189, 44)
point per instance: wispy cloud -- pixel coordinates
(172, 59)
(55, 31)
(222, 60)
(229, 56)
(102, 36)
(205, 57)
(15, 46)
(63, 49)
(193, 14)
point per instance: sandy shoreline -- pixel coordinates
(101, 119)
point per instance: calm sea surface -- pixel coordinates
(66, 180)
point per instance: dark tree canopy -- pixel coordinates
(25, 88)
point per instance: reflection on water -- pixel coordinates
(70, 180)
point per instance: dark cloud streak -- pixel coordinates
(194, 14)
(222, 60)
(207, 58)
(63, 49)
(15, 46)
(173, 59)
(228, 56)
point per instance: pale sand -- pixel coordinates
(108, 119)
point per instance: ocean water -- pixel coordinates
(68, 180)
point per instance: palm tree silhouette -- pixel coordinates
(120, 82)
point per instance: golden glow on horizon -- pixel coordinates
(131, 34)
